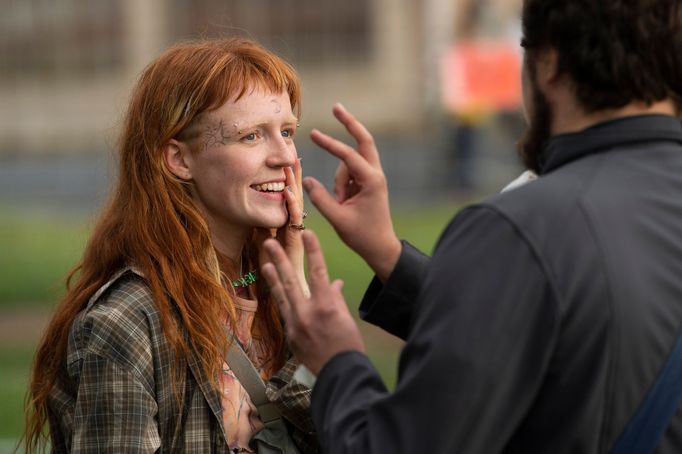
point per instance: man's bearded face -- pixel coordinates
(539, 115)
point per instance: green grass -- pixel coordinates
(16, 362)
(37, 251)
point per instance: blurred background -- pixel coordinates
(436, 81)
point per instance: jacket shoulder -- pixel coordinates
(121, 325)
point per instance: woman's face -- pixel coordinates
(238, 162)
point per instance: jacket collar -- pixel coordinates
(115, 277)
(608, 135)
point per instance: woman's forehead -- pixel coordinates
(254, 105)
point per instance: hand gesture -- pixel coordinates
(360, 212)
(320, 326)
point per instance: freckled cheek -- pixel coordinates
(229, 174)
(216, 187)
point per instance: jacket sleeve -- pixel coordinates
(484, 330)
(114, 410)
(110, 362)
(391, 306)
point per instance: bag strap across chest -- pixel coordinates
(647, 426)
(250, 379)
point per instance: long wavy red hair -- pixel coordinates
(152, 222)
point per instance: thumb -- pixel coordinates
(341, 181)
(323, 200)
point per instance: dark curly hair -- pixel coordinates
(615, 51)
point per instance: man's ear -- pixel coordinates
(176, 156)
(547, 68)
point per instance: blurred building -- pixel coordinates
(66, 66)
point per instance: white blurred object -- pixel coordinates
(525, 177)
(304, 376)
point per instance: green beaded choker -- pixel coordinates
(246, 280)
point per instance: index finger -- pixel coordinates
(357, 164)
(317, 267)
(290, 286)
(298, 173)
(366, 146)
(341, 180)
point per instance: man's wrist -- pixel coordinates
(385, 266)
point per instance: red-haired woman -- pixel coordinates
(134, 359)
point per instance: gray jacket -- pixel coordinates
(543, 317)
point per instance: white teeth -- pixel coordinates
(272, 187)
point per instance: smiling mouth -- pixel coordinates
(269, 187)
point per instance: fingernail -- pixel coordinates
(307, 184)
(289, 189)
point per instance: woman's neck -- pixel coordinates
(228, 240)
(229, 248)
(230, 251)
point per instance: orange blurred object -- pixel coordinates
(481, 77)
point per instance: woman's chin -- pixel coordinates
(273, 224)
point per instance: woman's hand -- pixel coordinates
(290, 234)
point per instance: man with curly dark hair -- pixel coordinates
(549, 318)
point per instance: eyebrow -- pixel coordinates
(291, 120)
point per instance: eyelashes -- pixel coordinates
(289, 133)
(253, 136)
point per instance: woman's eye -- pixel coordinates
(250, 137)
(288, 133)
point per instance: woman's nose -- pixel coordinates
(282, 153)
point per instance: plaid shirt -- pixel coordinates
(115, 393)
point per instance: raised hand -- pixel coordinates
(319, 326)
(360, 212)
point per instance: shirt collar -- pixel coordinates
(620, 132)
(116, 276)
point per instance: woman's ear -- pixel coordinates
(177, 157)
